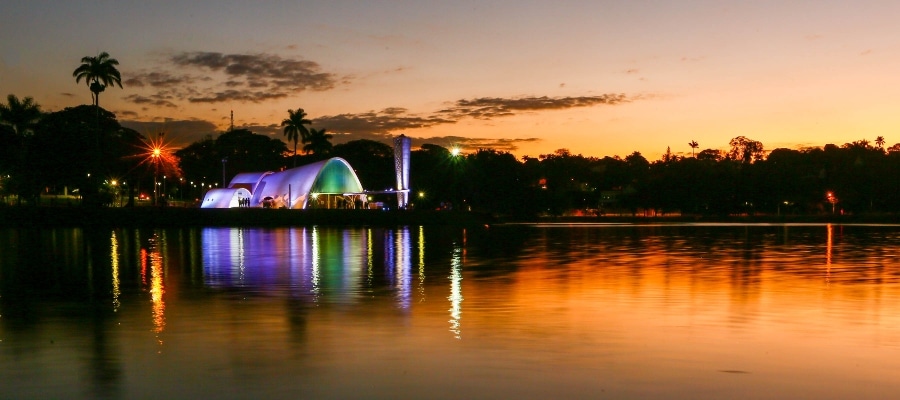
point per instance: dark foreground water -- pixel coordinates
(524, 312)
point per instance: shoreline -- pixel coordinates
(164, 217)
(172, 217)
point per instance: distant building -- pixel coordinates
(330, 183)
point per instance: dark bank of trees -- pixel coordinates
(83, 150)
(51, 154)
(853, 178)
(67, 152)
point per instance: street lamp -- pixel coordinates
(831, 199)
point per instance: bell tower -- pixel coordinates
(402, 146)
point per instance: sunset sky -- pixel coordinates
(600, 78)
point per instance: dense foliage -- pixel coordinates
(84, 150)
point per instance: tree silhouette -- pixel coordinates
(879, 141)
(246, 152)
(98, 73)
(746, 150)
(318, 142)
(21, 115)
(373, 161)
(295, 128)
(694, 145)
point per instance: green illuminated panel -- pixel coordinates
(336, 177)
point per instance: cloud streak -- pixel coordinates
(469, 144)
(252, 78)
(278, 76)
(380, 125)
(381, 122)
(153, 100)
(493, 107)
(397, 118)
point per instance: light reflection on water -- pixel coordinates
(549, 311)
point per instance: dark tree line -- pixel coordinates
(745, 180)
(58, 153)
(84, 149)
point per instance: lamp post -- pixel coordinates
(831, 199)
(157, 152)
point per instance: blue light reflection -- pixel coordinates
(335, 265)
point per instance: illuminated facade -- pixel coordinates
(402, 146)
(330, 183)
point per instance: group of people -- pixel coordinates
(245, 202)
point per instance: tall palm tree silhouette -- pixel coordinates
(98, 73)
(295, 128)
(694, 146)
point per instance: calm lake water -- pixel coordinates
(521, 311)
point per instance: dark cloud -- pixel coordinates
(155, 100)
(383, 125)
(67, 94)
(382, 122)
(158, 80)
(251, 78)
(127, 114)
(493, 107)
(473, 144)
(133, 82)
(237, 95)
(280, 76)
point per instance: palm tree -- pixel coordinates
(694, 146)
(318, 142)
(20, 115)
(295, 128)
(98, 73)
(879, 141)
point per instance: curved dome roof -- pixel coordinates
(248, 180)
(291, 188)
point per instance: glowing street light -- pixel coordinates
(831, 199)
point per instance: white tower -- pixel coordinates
(402, 145)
